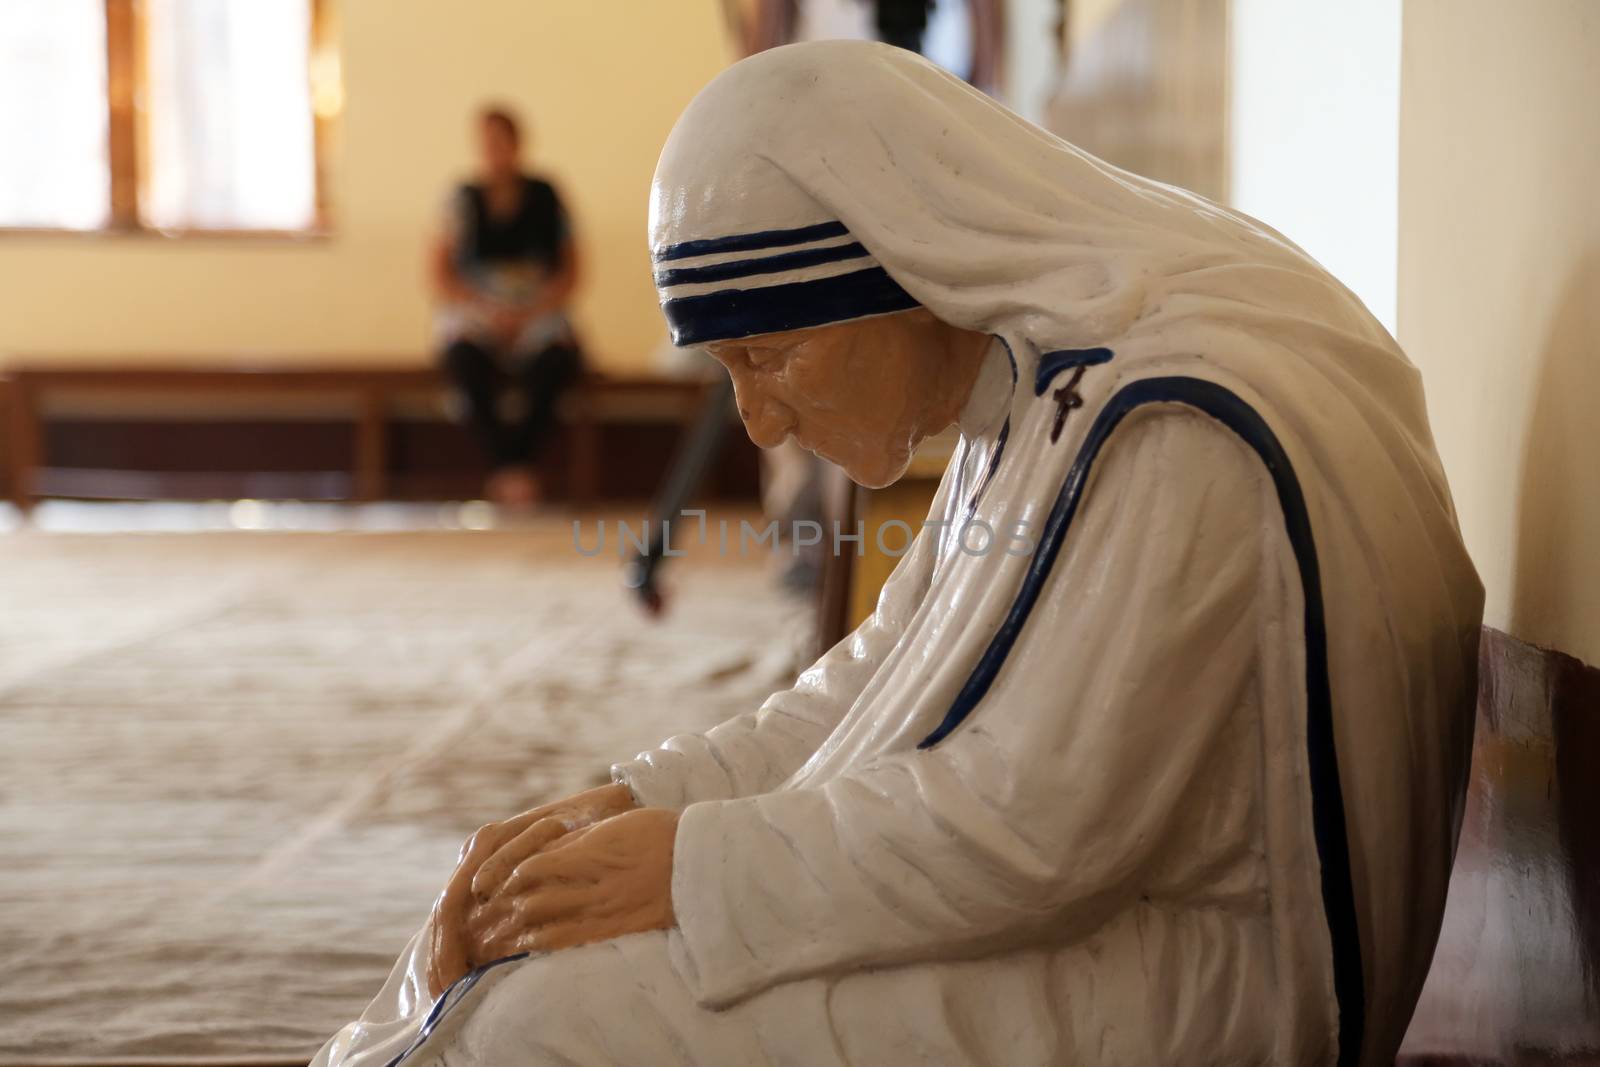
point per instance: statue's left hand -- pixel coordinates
(604, 881)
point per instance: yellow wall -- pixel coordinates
(600, 85)
(1499, 292)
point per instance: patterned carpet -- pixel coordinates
(235, 768)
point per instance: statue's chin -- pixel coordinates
(871, 465)
(878, 474)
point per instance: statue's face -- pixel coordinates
(858, 393)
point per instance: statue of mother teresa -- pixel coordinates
(1165, 768)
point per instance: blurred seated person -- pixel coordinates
(504, 270)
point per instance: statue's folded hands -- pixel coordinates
(493, 853)
(607, 880)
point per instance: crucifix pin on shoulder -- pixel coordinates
(1067, 400)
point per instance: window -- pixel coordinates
(173, 116)
(55, 169)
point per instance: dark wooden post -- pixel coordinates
(25, 444)
(372, 445)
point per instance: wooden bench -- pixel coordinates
(365, 395)
(1516, 974)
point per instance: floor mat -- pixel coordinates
(235, 768)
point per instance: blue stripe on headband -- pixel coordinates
(750, 242)
(743, 268)
(733, 313)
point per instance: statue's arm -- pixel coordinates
(1116, 747)
(756, 751)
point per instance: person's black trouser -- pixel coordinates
(542, 379)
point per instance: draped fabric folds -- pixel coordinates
(1176, 780)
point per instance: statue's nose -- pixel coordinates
(767, 421)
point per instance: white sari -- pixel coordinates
(1175, 781)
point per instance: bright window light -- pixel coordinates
(55, 168)
(231, 141)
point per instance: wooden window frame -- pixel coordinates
(127, 131)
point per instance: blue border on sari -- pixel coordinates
(750, 268)
(449, 1000)
(751, 242)
(1327, 795)
(732, 313)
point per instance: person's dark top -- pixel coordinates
(534, 234)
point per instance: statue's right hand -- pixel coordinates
(488, 858)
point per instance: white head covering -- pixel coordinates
(979, 215)
(827, 181)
